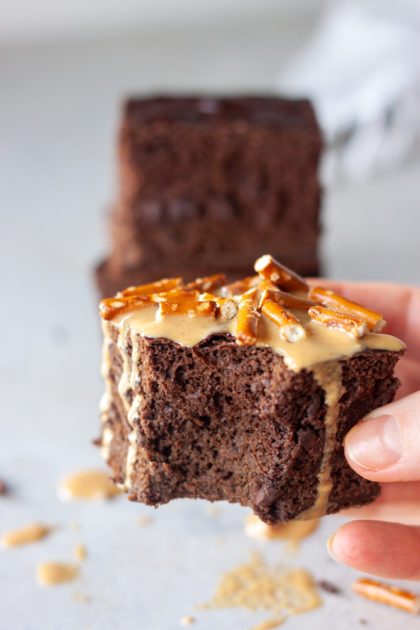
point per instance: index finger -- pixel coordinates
(399, 305)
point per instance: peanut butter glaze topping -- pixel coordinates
(275, 308)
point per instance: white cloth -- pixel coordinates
(361, 68)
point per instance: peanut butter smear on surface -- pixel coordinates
(88, 484)
(256, 586)
(292, 531)
(24, 535)
(80, 552)
(52, 573)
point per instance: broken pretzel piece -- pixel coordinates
(241, 286)
(110, 307)
(226, 309)
(270, 269)
(288, 300)
(176, 295)
(373, 319)
(338, 321)
(191, 307)
(208, 283)
(385, 594)
(248, 319)
(290, 328)
(160, 286)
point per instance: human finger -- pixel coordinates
(385, 446)
(398, 502)
(388, 550)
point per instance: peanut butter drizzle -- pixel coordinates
(105, 404)
(320, 344)
(88, 484)
(256, 586)
(328, 376)
(292, 531)
(25, 535)
(52, 573)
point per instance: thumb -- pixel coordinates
(385, 446)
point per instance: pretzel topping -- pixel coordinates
(270, 269)
(338, 321)
(208, 283)
(227, 309)
(328, 298)
(110, 307)
(176, 295)
(248, 319)
(276, 293)
(386, 594)
(288, 300)
(290, 328)
(186, 307)
(241, 286)
(159, 286)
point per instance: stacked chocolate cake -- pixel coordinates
(208, 184)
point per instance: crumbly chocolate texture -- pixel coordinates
(223, 421)
(208, 183)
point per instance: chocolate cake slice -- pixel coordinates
(209, 183)
(242, 392)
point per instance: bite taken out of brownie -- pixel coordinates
(241, 392)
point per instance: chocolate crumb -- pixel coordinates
(364, 622)
(3, 488)
(328, 587)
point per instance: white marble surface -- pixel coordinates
(58, 109)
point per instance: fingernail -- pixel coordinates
(330, 547)
(375, 443)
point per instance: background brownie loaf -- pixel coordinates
(211, 396)
(208, 183)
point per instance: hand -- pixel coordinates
(385, 447)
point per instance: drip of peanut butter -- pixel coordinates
(328, 376)
(25, 535)
(88, 484)
(256, 586)
(292, 531)
(52, 573)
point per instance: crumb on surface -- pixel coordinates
(79, 597)
(80, 552)
(269, 624)
(212, 510)
(187, 620)
(328, 587)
